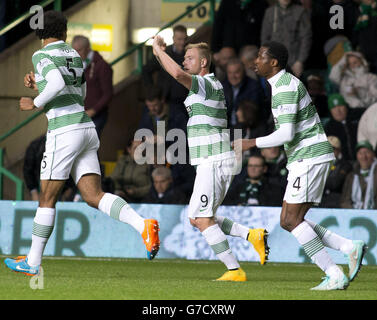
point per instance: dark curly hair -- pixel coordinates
(54, 25)
(278, 51)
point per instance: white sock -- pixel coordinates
(331, 239)
(231, 228)
(42, 228)
(314, 248)
(120, 210)
(219, 244)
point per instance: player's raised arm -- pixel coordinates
(169, 64)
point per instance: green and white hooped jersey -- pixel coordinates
(65, 111)
(291, 103)
(207, 134)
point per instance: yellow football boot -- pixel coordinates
(233, 275)
(258, 238)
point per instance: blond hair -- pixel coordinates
(204, 51)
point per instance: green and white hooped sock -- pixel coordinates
(219, 244)
(42, 228)
(231, 228)
(331, 239)
(118, 209)
(314, 247)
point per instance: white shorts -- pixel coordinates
(211, 185)
(306, 183)
(73, 152)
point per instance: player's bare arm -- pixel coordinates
(248, 144)
(169, 64)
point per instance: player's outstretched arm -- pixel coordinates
(169, 64)
(245, 144)
(283, 135)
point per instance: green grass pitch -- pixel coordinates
(163, 279)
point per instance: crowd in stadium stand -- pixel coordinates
(338, 67)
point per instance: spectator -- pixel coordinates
(173, 93)
(256, 190)
(249, 121)
(366, 32)
(247, 55)
(276, 166)
(317, 91)
(356, 84)
(367, 129)
(341, 126)
(155, 110)
(162, 190)
(359, 190)
(289, 23)
(131, 180)
(238, 87)
(99, 82)
(32, 168)
(237, 23)
(338, 173)
(221, 60)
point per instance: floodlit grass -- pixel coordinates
(160, 279)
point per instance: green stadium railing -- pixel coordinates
(136, 48)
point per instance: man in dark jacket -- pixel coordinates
(256, 190)
(341, 126)
(162, 190)
(155, 110)
(238, 87)
(99, 82)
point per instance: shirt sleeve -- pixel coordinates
(284, 134)
(55, 83)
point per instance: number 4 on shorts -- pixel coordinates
(296, 184)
